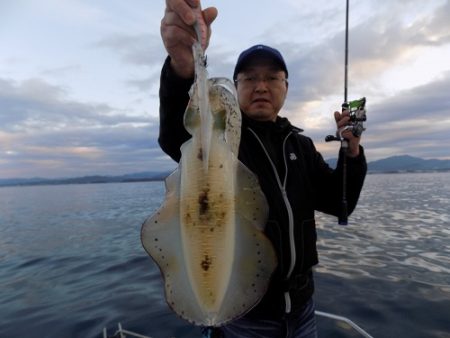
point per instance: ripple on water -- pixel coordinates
(72, 262)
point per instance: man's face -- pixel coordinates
(261, 88)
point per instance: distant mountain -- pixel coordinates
(402, 163)
(22, 181)
(408, 163)
(136, 177)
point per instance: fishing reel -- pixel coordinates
(357, 111)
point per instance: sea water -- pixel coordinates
(71, 261)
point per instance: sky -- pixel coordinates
(79, 79)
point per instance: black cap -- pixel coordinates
(258, 50)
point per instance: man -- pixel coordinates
(293, 175)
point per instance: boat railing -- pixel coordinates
(345, 320)
(122, 333)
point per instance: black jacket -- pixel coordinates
(293, 176)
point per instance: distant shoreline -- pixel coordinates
(160, 178)
(80, 180)
(392, 165)
(428, 171)
(74, 183)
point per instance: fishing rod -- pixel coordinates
(357, 115)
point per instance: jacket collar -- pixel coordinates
(281, 125)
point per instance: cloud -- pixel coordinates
(429, 102)
(114, 150)
(434, 29)
(415, 120)
(376, 44)
(61, 71)
(36, 104)
(43, 129)
(135, 49)
(139, 50)
(145, 84)
(381, 38)
(412, 121)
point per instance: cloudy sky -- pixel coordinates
(79, 79)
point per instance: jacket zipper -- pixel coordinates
(282, 187)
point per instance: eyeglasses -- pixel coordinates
(252, 80)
